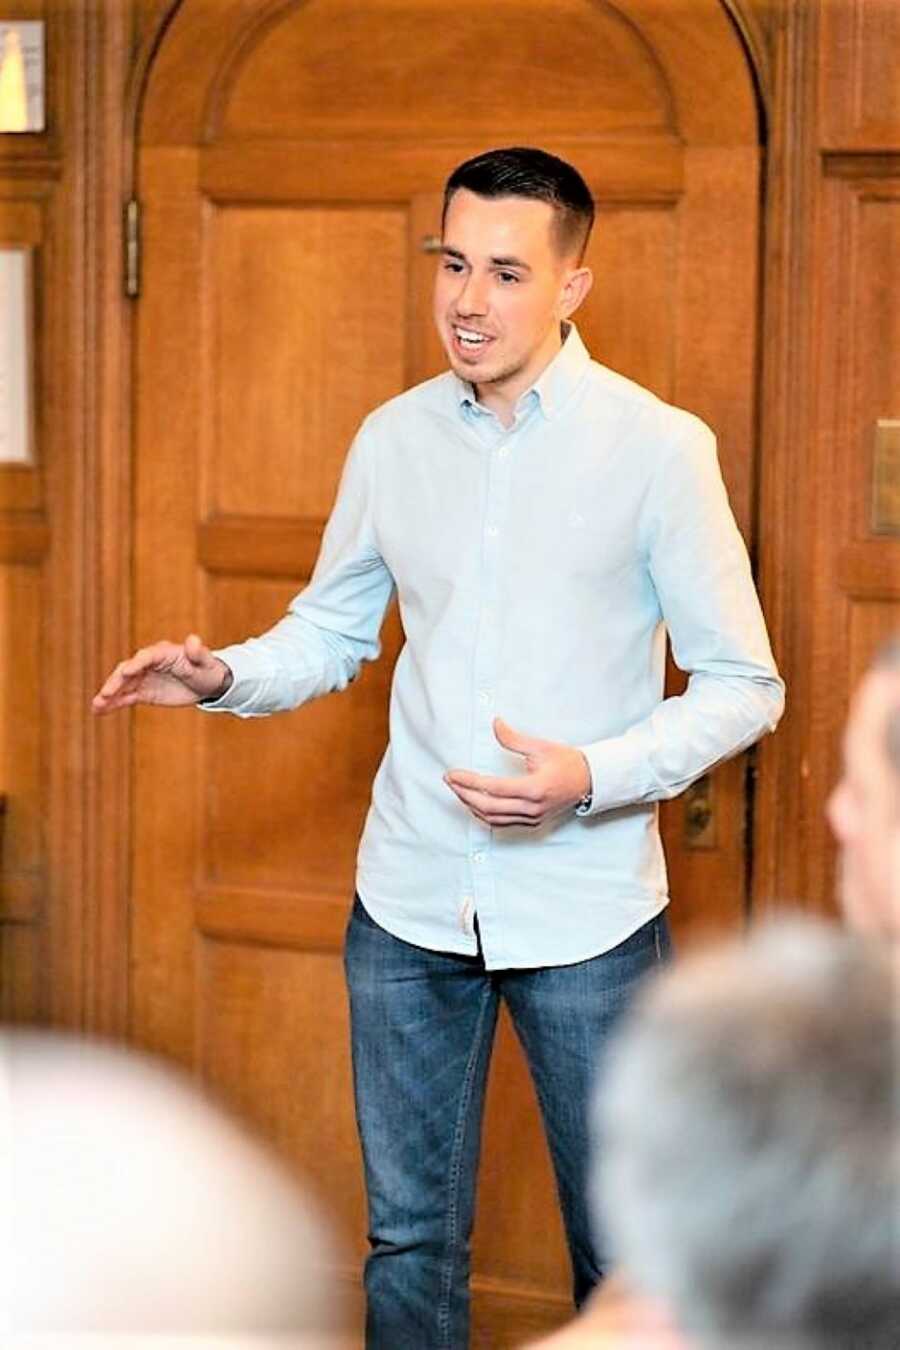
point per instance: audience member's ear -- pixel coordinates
(894, 891)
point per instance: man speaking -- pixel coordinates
(544, 522)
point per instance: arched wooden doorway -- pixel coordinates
(291, 157)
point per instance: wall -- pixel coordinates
(828, 369)
(831, 368)
(42, 185)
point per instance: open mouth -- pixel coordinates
(468, 340)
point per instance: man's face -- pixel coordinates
(502, 288)
(864, 811)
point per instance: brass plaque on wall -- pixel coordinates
(886, 477)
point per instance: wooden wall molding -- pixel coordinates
(648, 168)
(24, 537)
(247, 546)
(755, 42)
(861, 164)
(787, 462)
(108, 167)
(308, 921)
(22, 897)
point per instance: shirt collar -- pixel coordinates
(555, 382)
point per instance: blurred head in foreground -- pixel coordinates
(138, 1209)
(748, 1146)
(864, 808)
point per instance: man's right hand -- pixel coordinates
(167, 674)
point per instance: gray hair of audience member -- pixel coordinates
(747, 1146)
(135, 1208)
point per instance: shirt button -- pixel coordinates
(479, 857)
(503, 451)
(492, 531)
(484, 695)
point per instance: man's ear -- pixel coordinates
(574, 290)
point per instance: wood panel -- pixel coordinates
(402, 54)
(634, 256)
(307, 920)
(309, 802)
(267, 1022)
(22, 743)
(24, 537)
(679, 40)
(872, 622)
(307, 340)
(20, 973)
(860, 382)
(25, 541)
(250, 546)
(831, 370)
(638, 168)
(859, 92)
(510, 1206)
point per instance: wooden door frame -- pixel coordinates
(97, 967)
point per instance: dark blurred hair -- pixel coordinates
(522, 171)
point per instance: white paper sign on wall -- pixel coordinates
(16, 356)
(21, 76)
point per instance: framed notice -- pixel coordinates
(21, 76)
(16, 357)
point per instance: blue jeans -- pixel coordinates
(422, 1030)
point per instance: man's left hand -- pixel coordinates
(556, 778)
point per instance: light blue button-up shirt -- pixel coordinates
(537, 570)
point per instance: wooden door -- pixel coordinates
(291, 160)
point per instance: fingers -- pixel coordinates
(102, 705)
(501, 822)
(195, 650)
(117, 691)
(521, 787)
(517, 741)
(119, 688)
(500, 810)
(158, 657)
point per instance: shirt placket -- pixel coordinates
(480, 898)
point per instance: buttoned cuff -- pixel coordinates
(246, 674)
(618, 774)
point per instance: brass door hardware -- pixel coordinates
(699, 814)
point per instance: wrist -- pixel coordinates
(224, 685)
(585, 801)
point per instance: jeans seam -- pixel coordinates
(443, 1318)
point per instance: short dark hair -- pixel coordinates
(522, 171)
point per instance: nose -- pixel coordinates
(472, 298)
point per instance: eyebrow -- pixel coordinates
(495, 262)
